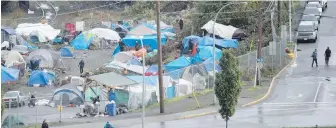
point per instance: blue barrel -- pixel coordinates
(111, 109)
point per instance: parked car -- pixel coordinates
(312, 11)
(315, 5)
(310, 18)
(306, 32)
(14, 98)
(323, 3)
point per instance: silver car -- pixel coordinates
(14, 98)
(312, 11)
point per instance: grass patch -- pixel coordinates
(253, 88)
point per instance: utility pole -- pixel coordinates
(259, 46)
(161, 91)
(290, 20)
(279, 13)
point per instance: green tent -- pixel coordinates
(13, 121)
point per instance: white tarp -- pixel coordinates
(43, 31)
(13, 57)
(123, 57)
(105, 33)
(80, 26)
(119, 65)
(135, 96)
(5, 44)
(183, 87)
(221, 30)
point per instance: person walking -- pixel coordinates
(81, 66)
(327, 55)
(44, 124)
(314, 56)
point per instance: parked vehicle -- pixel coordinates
(323, 3)
(14, 98)
(312, 11)
(315, 5)
(306, 32)
(311, 18)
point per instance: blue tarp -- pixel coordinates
(221, 43)
(82, 41)
(66, 52)
(150, 40)
(192, 38)
(153, 69)
(180, 62)
(134, 61)
(9, 74)
(208, 64)
(206, 52)
(196, 59)
(116, 50)
(149, 80)
(40, 77)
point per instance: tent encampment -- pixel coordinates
(107, 34)
(221, 30)
(82, 41)
(66, 52)
(40, 77)
(68, 93)
(206, 52)
(13, 57)
(180, 62)
(148, 40)
(187, 41)
(9, 74)
(49, 59)
(39, 31)
(220, 43)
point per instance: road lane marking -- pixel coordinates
(298, 103)
(317, 91)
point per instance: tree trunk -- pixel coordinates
(226, 123)
(226, 120)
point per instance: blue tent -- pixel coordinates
(116, 50)
(9, 74)
(40, 77)
(66, 52)
(150, 40)
(196, 59)
(192, 39)
(206, 52)
(180, 62)
(82, 41)
(221, 43)
(149, 80)
(71, 94)
(208, 64)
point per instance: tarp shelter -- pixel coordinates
(105, 33)
(208, 64)
(180, 62)
(83, 41)
(188, 41)
(221, 30)
(66, 52)
(49, 59)
(123, 57)
(68, 93)
(97, 91)
(148, 40)
(206, 52)
(112, 79)
(43, 32)
(42, 78)
(197, 75)
(6, 32)
(184, 87)
(14, 57)
(15, 121)
(152, 70)
(136, 68)
(21, 49)
(9, 74)
(141, 30)
(220, 43)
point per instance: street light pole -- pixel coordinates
(214, 45)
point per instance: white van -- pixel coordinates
(324, 3)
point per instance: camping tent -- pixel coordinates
(21, 49)
(148, 40)
(175, 68)
(206, 52)
(37, 32)
(66, 52)
(221, 30)
(49, 59)
(83, 41)
(9, 74)
(136, 68)
(40, 77)
(13, 121)
(14, 57)
(107, 34)
(220, 43)
(208, 64)
(184, 87)
(69, 93)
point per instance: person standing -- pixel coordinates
(180, 22)
(314, 56)
(327, 55)
(44, 124)
(81, 66)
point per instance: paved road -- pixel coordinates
(301, 97)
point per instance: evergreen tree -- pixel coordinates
(227, 84)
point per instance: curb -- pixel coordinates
(273, 80)
(197, 115)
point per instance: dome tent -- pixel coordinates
(49, 59)
(40, 77)
(9, 74)
(69, 94)
(66, 52)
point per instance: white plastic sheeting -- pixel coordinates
(123, 57)
(105, 33)
(13, 57)
(183, 87)
(221, 30)
(42, 31)
(135, 96)
(119, 65)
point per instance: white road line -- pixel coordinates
(298, 103)
(317, 91)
